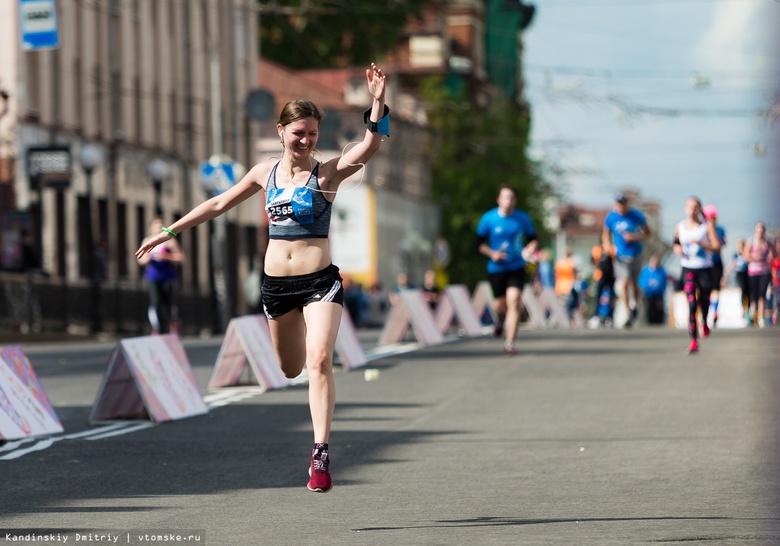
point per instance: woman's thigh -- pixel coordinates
(288, 333)
(322, 327)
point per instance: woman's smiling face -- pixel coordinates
(300, 137)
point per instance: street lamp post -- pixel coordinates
(158, 171)
(90, 156)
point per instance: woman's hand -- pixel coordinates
(376, 82)
(150, 243)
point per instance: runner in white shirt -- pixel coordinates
(695, 240)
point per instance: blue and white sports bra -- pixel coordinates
(297, 212)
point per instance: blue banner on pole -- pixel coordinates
(38, 24)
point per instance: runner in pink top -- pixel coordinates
(758, 255)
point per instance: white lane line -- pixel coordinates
(13, 445)
(37, 446)
(91, 432)
(128, 430)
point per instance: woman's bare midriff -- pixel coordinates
(300, 257)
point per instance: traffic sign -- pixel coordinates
(217, 175)
(38, 21)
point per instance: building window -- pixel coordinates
(140, 229)
(122, 251)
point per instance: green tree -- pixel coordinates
(306, 34)
(477, 150)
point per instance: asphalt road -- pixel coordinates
(586, 437)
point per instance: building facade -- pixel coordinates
(135, 81)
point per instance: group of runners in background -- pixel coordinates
(507, 237)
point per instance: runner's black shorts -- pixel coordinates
(717, 275)
(499, 282)
(280, 295)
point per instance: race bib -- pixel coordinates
(289, 207)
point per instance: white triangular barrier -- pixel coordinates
(455, 303)
(558, 314)
(536, 309)
(482, 300)
(247, 340)
(411, 309)
(348, 346)
(25, 410)
(148, 377)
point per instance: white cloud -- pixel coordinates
(737, 38)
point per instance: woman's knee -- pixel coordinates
(319, 361)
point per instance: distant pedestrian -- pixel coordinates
(626, 227)
(545, 269)
(160, 274)
(355, 301)
(401, 284)
(376, 306)
(652, 282)
(604, 292)
(504, 235)
(565, 274)
(776, 280)
(738, 265)
(695, 239)
(758, 255)
(430, 289)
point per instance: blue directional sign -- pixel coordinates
(38, 22)
(217, 175)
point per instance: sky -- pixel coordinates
(662, 96)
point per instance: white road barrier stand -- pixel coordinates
(25, 410)
(455, 303)
(348, 346)
(558, 316)
(148, 378)
(247, 340)
(535, 307)
(482, 300)
(411, 309)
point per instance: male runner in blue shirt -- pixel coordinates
(505, 235)
(625, 228)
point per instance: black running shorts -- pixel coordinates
(500, 281)
(280, 295)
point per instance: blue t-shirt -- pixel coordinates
(716, 257)
(652, 281)
(546, 274)
(507, 233)
(619, 224)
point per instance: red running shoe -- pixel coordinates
(705, 330)
(694, 347)
(510, 349)
(319, 480)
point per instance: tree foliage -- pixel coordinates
(476, 151)
(305, 34)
